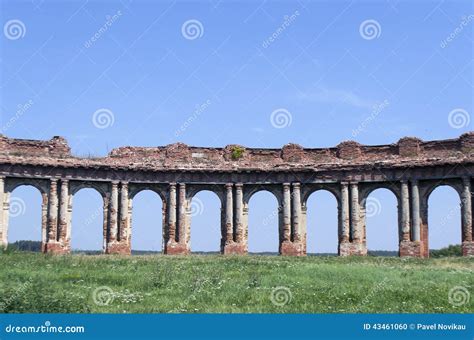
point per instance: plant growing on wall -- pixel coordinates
(237, 152)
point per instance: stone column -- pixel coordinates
(124, 226)
(355, 213)
(3, 226)
(64, 226)
(229, 214)
(172, 213)
(344, 219)
(466, 218)
(296, 212)
(52, 245)
(286, 212)
(239, 213)
(235, 243)
(113, 213)
(415, 208)
(182, 214)
(405, 211)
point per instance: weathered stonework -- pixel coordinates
(411, 169)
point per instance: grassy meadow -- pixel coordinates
(38, 283)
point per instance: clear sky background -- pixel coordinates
(105, 74)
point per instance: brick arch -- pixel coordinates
(427, 188)
(13, 183)
(250, 190)
(101, 187)
(193, 189)
(135, 189)
(366, 189)
(308, 189)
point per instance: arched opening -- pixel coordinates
(321, 223)
(205, 219)
(147, 222)
(444, 218)
(381, 214)
(87, 221)
(263, 223)
(24, 227)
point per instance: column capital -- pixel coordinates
(54, 179)
(344, 183)
(172, 184)
(404, 181)
(115, 183)
(353, 183)
(239, 185)
(296, 184)
(182, 185)
(124, 182)
(466, 180)
(64, 180)
(286, 184)
(229, 185)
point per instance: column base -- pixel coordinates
(410, 249)
(55, 248)
(118, 248)
(174, 248)
(467, 248)
(352, 248)
(235, 248)
(288, 248)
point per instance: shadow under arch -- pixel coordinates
(324, 240)
(204, 222)
(88, 218)
(381, 208)
(264, 225)
(27, 230)
(146, 231)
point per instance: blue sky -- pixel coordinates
(372, 71)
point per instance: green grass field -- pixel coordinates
(38, 283)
